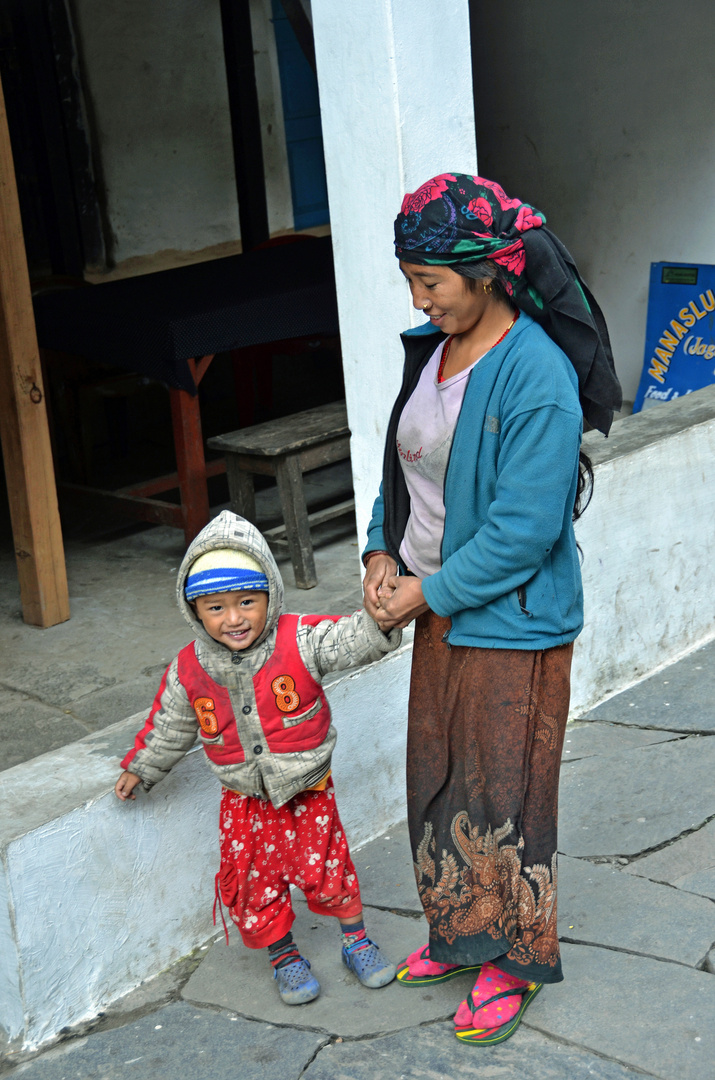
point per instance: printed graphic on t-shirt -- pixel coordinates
(424, 441)
(432, 464)
(410, 456)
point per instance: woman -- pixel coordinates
(472, 535)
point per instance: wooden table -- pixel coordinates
(286, 449)
(169, 325)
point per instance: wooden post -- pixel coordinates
(23, 420)
(189, 446)
(295, 515)
(190, 464)
(245, 122)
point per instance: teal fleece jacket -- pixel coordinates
(510, 575)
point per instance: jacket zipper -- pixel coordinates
(521, 596)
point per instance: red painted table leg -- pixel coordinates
(190, 463)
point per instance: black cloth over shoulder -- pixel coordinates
(582, 334)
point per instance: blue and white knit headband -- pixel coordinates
(224, 570)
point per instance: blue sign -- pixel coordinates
(680, 333)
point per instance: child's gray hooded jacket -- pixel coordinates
(266, 730)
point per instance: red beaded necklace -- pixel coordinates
(448, 342)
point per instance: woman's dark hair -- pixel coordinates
(584, 486)
(484, 271)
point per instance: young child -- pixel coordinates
(249, 687)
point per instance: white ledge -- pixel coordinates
(96, 895)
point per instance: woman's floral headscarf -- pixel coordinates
(455, 218)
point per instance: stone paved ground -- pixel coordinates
(637, 924)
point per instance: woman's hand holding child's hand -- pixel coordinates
(400, 600)
(391, 600)
(125, 785)
(380, 569)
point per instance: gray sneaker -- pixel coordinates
(295, 983)
(368, 963)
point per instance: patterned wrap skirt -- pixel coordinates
(486, 731)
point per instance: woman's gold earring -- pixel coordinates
(488, 288)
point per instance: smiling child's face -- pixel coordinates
(235, 619)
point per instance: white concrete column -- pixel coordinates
(395, 82)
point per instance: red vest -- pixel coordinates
(292, 708)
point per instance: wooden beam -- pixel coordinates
(23, 420)
(156, 511)
(159, 484)
(245, 122)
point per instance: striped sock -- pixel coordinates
(283, 952)
(353, 934)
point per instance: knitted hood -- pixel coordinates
(231, 531)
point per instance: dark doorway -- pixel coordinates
(39, 65)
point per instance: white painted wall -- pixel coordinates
(156, 83)
(601, 115)
(370, 712)
(12, 1018)
(396, 107)
(95, 896)
(105, 896)
(648, 546)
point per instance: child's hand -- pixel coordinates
(380, 568)
(125, 785)
(400, 601)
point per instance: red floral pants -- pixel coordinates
(264, 851)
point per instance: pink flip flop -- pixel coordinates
(477, 1020)
(419, 970)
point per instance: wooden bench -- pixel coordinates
(286, 449)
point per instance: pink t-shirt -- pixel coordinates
(424, 441)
